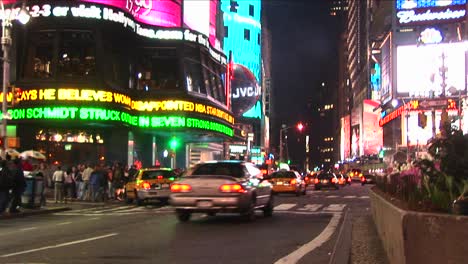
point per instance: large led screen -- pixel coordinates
(165, 13)
(201, 16)
(423, 70)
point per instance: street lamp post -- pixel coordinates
(6, 41)
(283, 128)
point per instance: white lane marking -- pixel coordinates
(364, 197)
(284, 206)
(310, 207)
(335, 207)
(95, 218)
(350, 196)
(28, 228)
(332, 196)
(59, 245)
(296, 255)
(114, 209)
(64, 223)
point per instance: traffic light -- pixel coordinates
(174, 143)
(16, 91)
(300, 126)
(422, 119)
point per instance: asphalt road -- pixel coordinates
(303, 230)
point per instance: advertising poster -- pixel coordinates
(386, 70)
(372, 133)
(345, 134)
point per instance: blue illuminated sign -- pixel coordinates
(376, 77)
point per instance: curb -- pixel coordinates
(36, 212)
(342, 249)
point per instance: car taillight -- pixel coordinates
(293, 181)
(363, 179)
(146, 185)
(351, 174)
(333, 180)
(316, 180)
(306, 178)
(160, 177)
(349, 179)
(180, 187)
(231, 188)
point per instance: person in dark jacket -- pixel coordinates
(19, 185)
(6, 183)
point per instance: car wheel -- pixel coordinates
(317, 188)
(337, 187)
(298, 192)
(211, 214)
(127, 199)
(363, 183)
(183, 215)
(304, 192)
(268, 209)
(139, 201)
(249, 214)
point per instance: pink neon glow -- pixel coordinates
(165, 13)
(152, 12)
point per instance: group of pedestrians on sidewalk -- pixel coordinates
(90, 183)
(12, 184)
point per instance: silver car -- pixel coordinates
(222, 187)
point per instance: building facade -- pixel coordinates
(120, 80)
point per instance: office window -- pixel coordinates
(246, 34)
(77, 54)
(251, 10)
(226, 31)
(40, 55)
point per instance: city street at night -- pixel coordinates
(302, 230)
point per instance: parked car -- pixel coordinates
(150, 184)
(229, 186)
(287, 182)
(326, 180)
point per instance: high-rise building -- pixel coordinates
(338, 7)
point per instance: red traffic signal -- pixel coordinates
(300, 126)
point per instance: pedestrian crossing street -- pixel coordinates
(133, 209)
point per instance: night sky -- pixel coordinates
(304, 42)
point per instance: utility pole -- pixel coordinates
(6, 45)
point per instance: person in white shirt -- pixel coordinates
(58, 178)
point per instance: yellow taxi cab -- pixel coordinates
(287, 182)
(150, 184)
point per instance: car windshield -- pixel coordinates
(283, 174)
(158, 174)
(229, 169)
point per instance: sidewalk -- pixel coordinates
(366, 246)
(48, 209)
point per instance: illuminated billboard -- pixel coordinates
(420, 12)
(245, 90)
(165, 25)
(201, 16)
(372, 133)
(151, 12)
(423, 70)
(386, 70)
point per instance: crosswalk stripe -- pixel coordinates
(365, 197)
(334, 207)
(284, 206)
(349, 196)
(332, 196)
(310, 207)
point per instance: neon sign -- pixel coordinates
(102, 96)
(430, 36)
(411, 16)
(102, 114)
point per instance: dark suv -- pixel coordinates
(326, 180)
